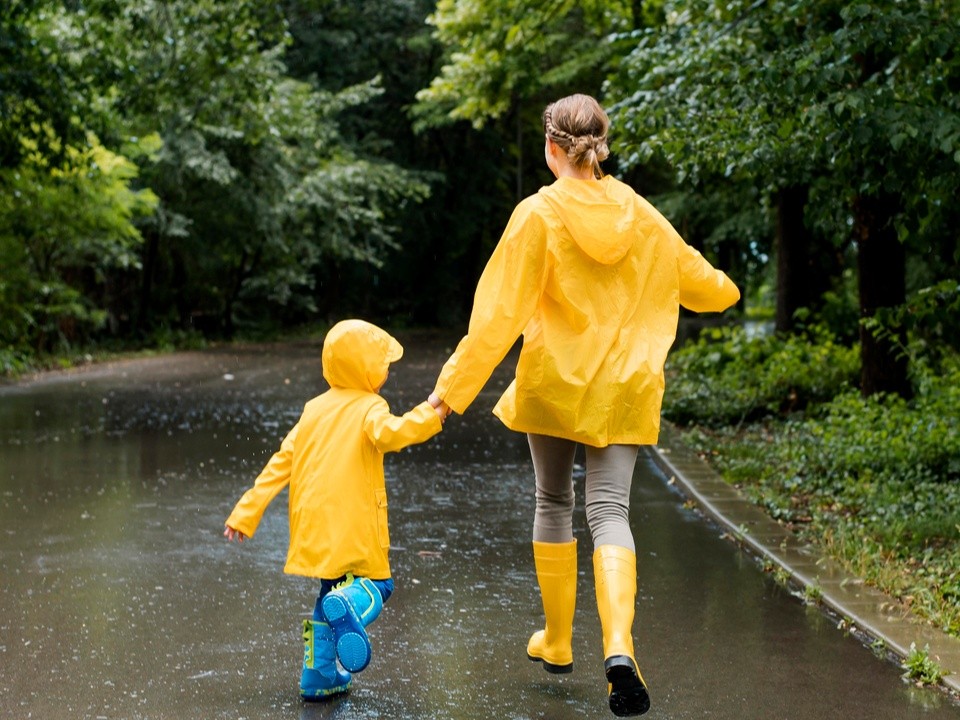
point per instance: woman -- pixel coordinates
(593, 277)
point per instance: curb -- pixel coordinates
(863, 608)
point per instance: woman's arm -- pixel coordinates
(506, 298)
(703, 288)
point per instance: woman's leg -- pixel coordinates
(553, 466)
(609, 476)
(554, 552)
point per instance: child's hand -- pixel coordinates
(233, 534)
(439, 406)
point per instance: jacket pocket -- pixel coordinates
(383, 529)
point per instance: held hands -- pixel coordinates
(440, 406)
(232, 534)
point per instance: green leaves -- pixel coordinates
(876, 481)
(727, 376)
(777, 90)
(163, 164)
(58, 223)
(504, 50)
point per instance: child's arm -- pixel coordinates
(233, 534)
(390, 433)
(442, 409)
(274, 477)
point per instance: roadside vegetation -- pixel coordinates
(873, 481)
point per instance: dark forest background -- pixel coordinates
(174, 172)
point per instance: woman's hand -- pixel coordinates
(439, 405)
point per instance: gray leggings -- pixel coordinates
(609, 475)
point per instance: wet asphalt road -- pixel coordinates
(120, 599)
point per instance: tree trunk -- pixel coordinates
(880, 263)
(151, 251)
(795, 282)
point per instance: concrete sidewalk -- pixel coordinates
(864, 609)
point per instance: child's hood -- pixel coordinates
(357, 355)
(599, 214)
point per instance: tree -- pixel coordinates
(259, 190)
(504, 51)
(38, 98)
(216, 188)
(63, 229)
(503, 54)
(68, 203)
(848, 109)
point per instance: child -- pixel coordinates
(333, 461)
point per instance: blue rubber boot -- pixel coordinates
(320, 678)
(349, 608)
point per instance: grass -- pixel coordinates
(874, 483)
(920, 668)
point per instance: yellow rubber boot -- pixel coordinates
(556, 565)
(615, 577)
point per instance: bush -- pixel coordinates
(727, 377)
(874, 481)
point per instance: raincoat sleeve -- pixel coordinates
(506, 298)
(703, 288)
(274, 477)
(390, 433)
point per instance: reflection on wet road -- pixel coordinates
(120, 599)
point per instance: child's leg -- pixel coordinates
(349, 607)
(320, 677)
(384, 586)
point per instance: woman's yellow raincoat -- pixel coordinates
(333, 461)
(593, 276)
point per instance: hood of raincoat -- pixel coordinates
(357, 355)
(600, 215)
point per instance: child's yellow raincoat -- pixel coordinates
(592, 276)
(333, 461)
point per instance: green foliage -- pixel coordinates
(876, 481)
(920, 667)
(39, 97)
(505, 50)
(279, 135)
(728, 376)
(855, 102)
(888, 466)
(813, 593)
(931, 318)
(857, 95)
(258, 197)
(62, 229)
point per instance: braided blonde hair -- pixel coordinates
(579, 126)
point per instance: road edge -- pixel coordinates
(863, 609)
